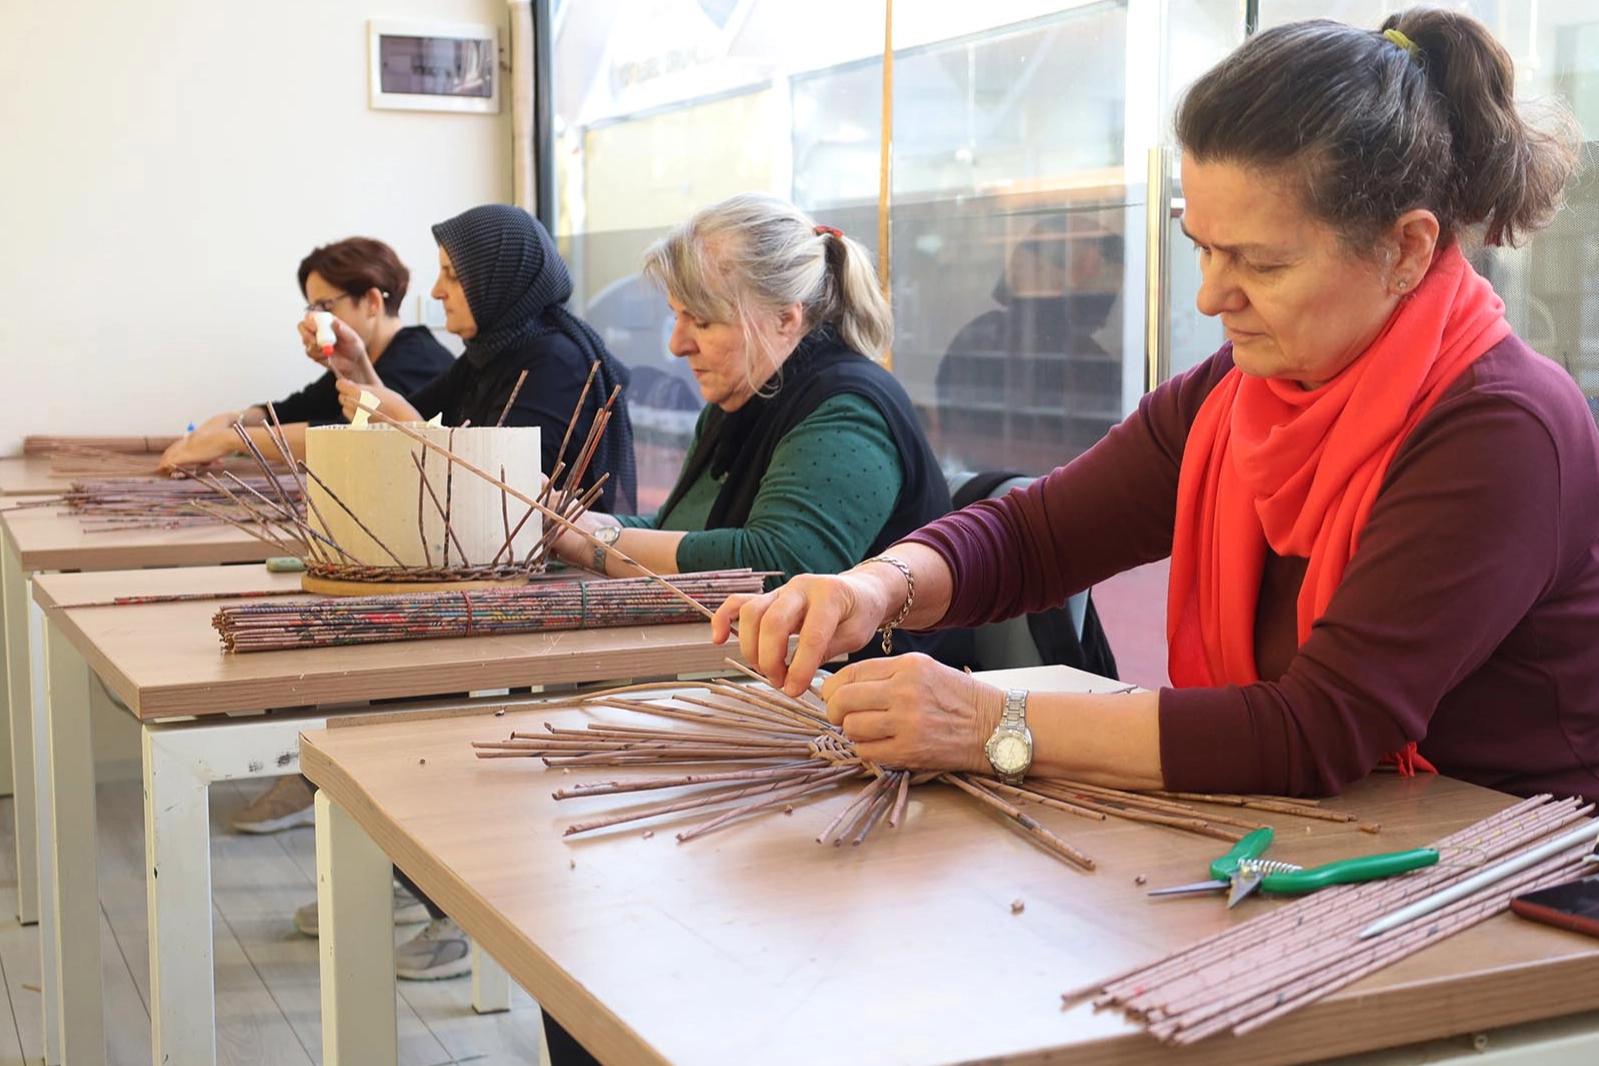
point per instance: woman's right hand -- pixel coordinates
(834, 614)
(348, 360)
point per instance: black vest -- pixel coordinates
(741, 445)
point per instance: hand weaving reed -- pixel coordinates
(1254, 973)
(778, 750)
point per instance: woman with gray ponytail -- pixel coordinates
(808, 457)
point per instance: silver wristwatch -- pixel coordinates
(1010, 748)
(606, 536)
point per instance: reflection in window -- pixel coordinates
(1010, 205)
(1008, 226)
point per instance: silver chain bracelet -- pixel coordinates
(887, 628)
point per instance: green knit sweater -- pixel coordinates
(832, 483)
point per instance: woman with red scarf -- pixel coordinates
(1381, 507)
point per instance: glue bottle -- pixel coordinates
(325, 337)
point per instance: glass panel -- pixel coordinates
(662, 107)
(1550, 285)
(1201, 36)
(1009, 221)
(1016, 285)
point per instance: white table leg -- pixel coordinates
(19, 700)
(9, 573)
(75, 876)
(42, 831)
(491, 985)
(356, 913)
(177, 854)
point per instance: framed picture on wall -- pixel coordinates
(433, 66)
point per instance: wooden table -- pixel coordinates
(755, 944)
(165, 663)
(41, 540)
(29, 475)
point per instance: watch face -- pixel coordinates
(1010, 753)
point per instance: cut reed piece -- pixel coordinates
(1248, 976)
(544, 605)
(1276, 805)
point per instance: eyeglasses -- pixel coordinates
(326, 305)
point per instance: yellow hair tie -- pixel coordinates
(1395, 37)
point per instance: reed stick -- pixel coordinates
(1037, 832)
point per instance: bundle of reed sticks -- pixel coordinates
(138, 502)
(781, 750)
(82, 460)
(45, 444)
(551, 604)
(1254, 973)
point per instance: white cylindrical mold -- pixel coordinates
(373, 473)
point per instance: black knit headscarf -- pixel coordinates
(517, 285)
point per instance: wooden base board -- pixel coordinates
(323, 586)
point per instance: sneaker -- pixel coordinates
(439, 951)
(288, 803)
(408, 910)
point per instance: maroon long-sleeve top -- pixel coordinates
(1467, 620)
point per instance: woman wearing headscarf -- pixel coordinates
(504, 288)
(1381, 507)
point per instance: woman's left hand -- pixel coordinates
(573, 548)
(199, 448)
(909, 711)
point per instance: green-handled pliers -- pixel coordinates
(1242, 870)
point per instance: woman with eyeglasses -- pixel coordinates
(362, 283)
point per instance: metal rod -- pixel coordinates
(1157, 254)
(1588, 833)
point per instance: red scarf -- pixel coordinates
(1268, 462)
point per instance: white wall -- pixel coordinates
(164, 167)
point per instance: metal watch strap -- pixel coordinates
(1013, 719)
(1015, 713)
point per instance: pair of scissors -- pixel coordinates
(1241, 871)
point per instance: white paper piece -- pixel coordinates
(368, 399)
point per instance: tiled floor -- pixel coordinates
(268, 999)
